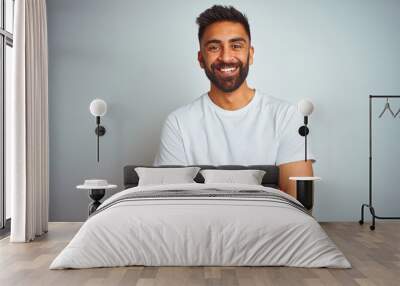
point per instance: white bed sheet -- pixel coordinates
(200, 231)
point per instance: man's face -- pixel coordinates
(225, 55)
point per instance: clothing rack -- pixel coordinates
(369, 205)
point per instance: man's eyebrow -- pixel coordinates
(215, 41)
(238, 39)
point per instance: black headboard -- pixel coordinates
(270, 179)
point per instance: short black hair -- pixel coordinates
(219, 13)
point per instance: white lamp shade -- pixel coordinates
(98, 107)
(305, 107)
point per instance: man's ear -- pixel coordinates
(251, 55)
(200, 59)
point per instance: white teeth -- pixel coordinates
(228, 69)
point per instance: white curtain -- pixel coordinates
(28, 123)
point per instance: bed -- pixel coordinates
(199, 224)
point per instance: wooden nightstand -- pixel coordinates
(305, 190)
(97, 190)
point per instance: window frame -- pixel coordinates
(6, 39)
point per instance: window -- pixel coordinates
(6, 57)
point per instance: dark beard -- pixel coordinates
(228, 84)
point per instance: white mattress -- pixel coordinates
(200, 231)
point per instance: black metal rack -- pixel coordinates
(369, 205)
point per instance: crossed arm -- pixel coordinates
(172, 152)
(293, 169)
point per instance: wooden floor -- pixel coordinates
(374, 255)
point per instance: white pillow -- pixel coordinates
(161, 176)
(249, 177)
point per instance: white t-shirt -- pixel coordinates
(264, 132)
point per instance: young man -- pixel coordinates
(233, 123)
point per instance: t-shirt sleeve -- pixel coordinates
(291, 144)
(171, 149)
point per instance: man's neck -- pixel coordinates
(233, 100)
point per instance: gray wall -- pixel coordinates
(140, 56)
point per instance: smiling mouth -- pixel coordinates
(227, 71)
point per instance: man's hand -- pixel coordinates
(293, 169)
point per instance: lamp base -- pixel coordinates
(100, 130)
(303, 130)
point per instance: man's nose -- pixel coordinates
(226, 55)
